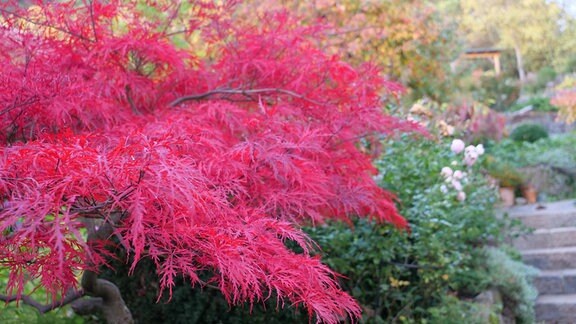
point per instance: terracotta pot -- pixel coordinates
(530, 194)
(507, 196)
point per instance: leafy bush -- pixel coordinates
(512, 278)
(190, 305)
(486, 125)
(25, 314)
(538, 104)
(506, 174)
(498, 92)
(529, 133)
(558, 151)
(566, 101)
(441, 252)
(555, 155)
(544, 76)
(455, 311)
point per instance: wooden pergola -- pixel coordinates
(485, 53)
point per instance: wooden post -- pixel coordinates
(497, 63)
(490, 54)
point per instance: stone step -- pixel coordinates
(544, 238)
(551, 259)
(557, 214)
(557, 309)
(551, 282)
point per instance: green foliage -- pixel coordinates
(455, 311)
(506, 173)
(538, 104)
(498, 92)
(546, 74)
(529, 133)
(13, 314)
(23, 314)
(512, 278)
(440, 255)
(503, 24)
(189, 305)
(556, 153)
(569, 82)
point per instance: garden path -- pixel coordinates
(552, 249)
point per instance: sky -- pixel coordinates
(570, 5)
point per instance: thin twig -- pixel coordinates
(131, 102)
(44, 308)
(246, 93)
(408, 304)
(182, 31)
(43, 24)
(205, 284)
(91, 8)
(172, 17)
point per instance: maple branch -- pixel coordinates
(43, 24)
(246, 93)
(28, 101)
(91, 8)
(181, 31)
(131, 102)
(45, 308)
(171, 18)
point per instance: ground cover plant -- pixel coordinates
(184, 138)
(529, 133)
(432, 274)
(555, 155)
(536, 103)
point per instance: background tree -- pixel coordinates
(410, 40)
(202, 162)
(530, 27)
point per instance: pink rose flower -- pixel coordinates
(457, 146)
(461, 196)
(446, 172)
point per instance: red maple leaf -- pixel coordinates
(200, 160)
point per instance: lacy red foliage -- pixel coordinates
(210, 159)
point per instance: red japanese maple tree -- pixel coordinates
(189, 138)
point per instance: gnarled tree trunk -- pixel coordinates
(107, 298)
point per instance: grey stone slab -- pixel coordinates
(551, 258)
(556, 309)
(547, 238)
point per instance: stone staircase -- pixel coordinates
(552, 249)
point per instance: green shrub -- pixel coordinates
(406, 277)
(513, 280)
(24, 314)
(188, 305)
(395, 275)
(529, 133)
(456, 311)
(558, 151)
(538, 104)
(506, 173)
(498, 92)
(554, 156)
(544, 76)
(446, 233)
